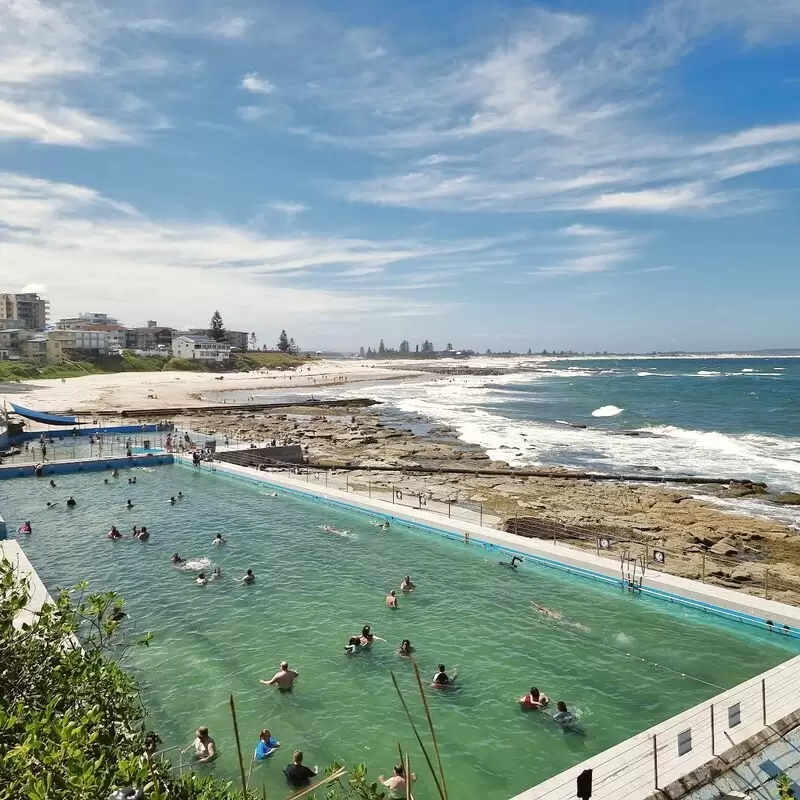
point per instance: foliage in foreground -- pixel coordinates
(72, 725)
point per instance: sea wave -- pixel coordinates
(607, 411)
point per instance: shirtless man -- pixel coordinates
(284, 678)
(205, 749)
(391, 599)
(407, 585)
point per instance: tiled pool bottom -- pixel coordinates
(314, 589)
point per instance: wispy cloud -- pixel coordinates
(560, 113)
(290, 209)
(71, 238)
(235, 27)
(252, 113)
(253, 83)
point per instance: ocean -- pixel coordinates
(728, 417)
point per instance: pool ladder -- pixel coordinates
(632, 569)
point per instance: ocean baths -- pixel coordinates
(620, 662)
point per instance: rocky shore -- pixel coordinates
(701, 539)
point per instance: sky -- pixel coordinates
(604, 175)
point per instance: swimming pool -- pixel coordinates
(313, 589)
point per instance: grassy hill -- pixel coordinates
(127, 361)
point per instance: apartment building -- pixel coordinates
(28, 309)
(198, 347)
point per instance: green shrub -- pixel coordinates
(185, 365)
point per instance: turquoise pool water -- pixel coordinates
(314, 589)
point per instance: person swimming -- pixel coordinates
(405, 648)
(144, 535)
(115, 473)
(71, 502)
(52, 484)
(133, 479)
(113, 533)
(201, 579)
(248, 577)
(362, 641)
(172, 501)
(533, 700)
(266, 745)
(217, 573)
(25, 527)
(331, 529)
(511, 564)
(176, 559)
(563, 716)
(129, 505)
(558, 617)
(219, 539)
(407, 585)
(391, 599)
(441, 680)
(105, 480)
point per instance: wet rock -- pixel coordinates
(787, 499)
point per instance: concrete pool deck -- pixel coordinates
(38, 595)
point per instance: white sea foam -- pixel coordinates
(195, 564)
(748, 370)
(708, 373)
(607, 411)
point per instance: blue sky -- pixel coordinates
(609, 175)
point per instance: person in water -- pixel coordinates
(361, 641)
(176, 559)
(562, 715)
(205, 748)
(391, 599)
(172, 501)
(407, 585)
(201, 579)
(105, 480)
(216, 574)
(144, 535)
(511, 564)
(266, 745)
(533, 700)
(284, 678)
(52, 484)
(71, 502)
(248, 577)
(441, 679)
(297, 773)
(405, 648)
(114, 533)
(219, 539)
(25, 527)
(115, 473)
(396, 783)
(129, 505)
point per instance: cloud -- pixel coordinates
(588, 250)
(251, 113)
(33, 288)
(252, 83)
(290, 209)
(554, 112)
(89, 249)
(230, 28)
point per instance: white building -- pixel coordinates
(197, 347)
(86, 318)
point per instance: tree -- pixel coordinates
(283, 342)
(293, 348)
(449, 346)
(217, 330)
(253, 341)
(405, 347)
(381, 348)
(369, 351)
(427, 347)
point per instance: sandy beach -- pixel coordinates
(121, 390)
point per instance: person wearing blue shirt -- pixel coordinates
(266, 745)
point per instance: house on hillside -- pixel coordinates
(199, 347)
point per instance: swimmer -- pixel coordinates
(385, 526)
(143, 534)
(172, 501)
(115, 473)
(50, 505)
(559, 618)
(129, 505)
(511, 564)
(441, 679)
(391, 599)
(266, 745)
(134, 532)
(219, 539)
(405, 648)
(105, 480)
(113, 533)
(331, 529)
(284, 678)
(407, 585)
(25, 527)
(397, 783)
(201, 579)
(52, 484)
(180, 495)
(216, 574)
(248, 577)
(133, 479)
(362, 641)
(117, 615)
(273, 494)
(562, 715)
(176, 559)
(71, 502)
(533, 700)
